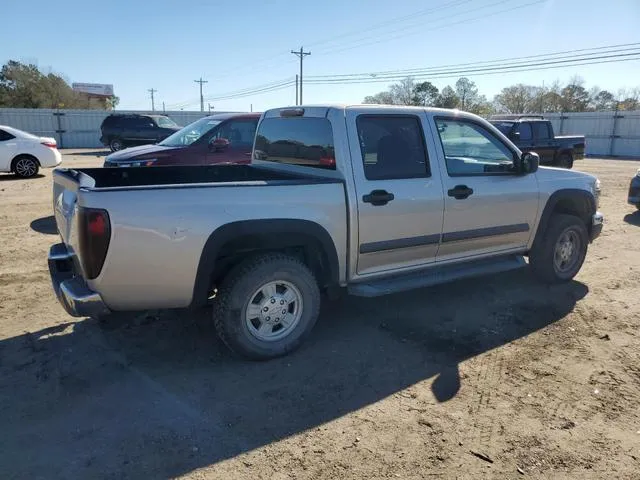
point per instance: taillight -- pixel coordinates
(49, 144)
(328, 162)
(94, 233)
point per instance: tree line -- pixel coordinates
(25, 86)
(519, 98)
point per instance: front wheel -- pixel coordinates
(26, 167)
(558, 255)
(266, 306)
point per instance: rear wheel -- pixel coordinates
(116, 144)
(565, 160)
(266, 306)
(25, 166)
(558, 255)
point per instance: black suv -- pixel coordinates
(125, 130)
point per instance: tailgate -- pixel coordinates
(66, 188)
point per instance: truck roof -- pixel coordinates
(317, 108)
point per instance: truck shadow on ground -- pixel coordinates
(45, 225)
(10, 176)
(157, 395)
(91, 153)
(633, 218)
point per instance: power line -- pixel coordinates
(409, 71)
(496, 69)
(301, 54)
(386, 39)
(201, 98)
(331, 39)
(153, 105)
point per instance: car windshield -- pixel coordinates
(165, 122)
(190, 133)
(504, 127)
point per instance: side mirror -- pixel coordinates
(514, 136)
(219, 144)
(529, 162)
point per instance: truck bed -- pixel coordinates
(181, 175)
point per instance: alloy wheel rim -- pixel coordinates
(25, 167)
(274, 310)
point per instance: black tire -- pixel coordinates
(116, 144)
(25, 166)
(243, 284)
(542, 257)
(565, 160)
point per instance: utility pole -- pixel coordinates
(153, 105)
(163, 110)
(210, 107)
(201, 97)
(252, 107)
(301, 54)
(297, 80)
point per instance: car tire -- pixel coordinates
(559, 252)
(116, 144)
(565, 160)
(254, 299)
(25, 166)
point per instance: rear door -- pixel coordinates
(399, 191)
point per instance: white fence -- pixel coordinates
(608, 133)
(615, 134)
(74, 128)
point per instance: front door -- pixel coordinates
(239, 134)
(399, 191)
(543, 141)
(488, 208)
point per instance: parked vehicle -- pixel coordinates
(24, 154)
(221, 138)
(535, 134)
(372, 199)
(634, 191)
(122, 130)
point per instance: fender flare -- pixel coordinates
(278, 230)
(582, 201)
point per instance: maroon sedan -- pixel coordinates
(222, 138)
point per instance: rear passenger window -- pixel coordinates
(4, 136)
(525, 131)
(392, 146)
(541, 130)
(304, 141)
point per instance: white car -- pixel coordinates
(24, 154)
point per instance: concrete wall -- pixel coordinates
(74, 128)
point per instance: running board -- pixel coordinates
(435, 275)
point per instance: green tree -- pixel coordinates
(467, 92)
(448, 98)
(425, 94)
(518, 98)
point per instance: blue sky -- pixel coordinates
(166, 44)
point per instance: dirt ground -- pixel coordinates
(498, 377)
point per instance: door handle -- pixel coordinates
(460, 192)
(378, 198)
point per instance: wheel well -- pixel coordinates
(305, 247)
(235, 242)
(22, 155)
(573, 206)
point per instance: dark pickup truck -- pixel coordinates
(535, 134)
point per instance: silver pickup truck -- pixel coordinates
(368, 199)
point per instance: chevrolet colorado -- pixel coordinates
(371, 199)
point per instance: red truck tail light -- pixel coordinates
(94, 233)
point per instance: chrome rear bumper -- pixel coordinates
(71, 289)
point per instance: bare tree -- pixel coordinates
(467, 92)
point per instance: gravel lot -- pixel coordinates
(493, 378)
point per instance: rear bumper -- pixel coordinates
(597, 220)
(72, 291)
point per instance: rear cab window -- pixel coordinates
(306, 141)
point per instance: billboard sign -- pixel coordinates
(94, 89)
